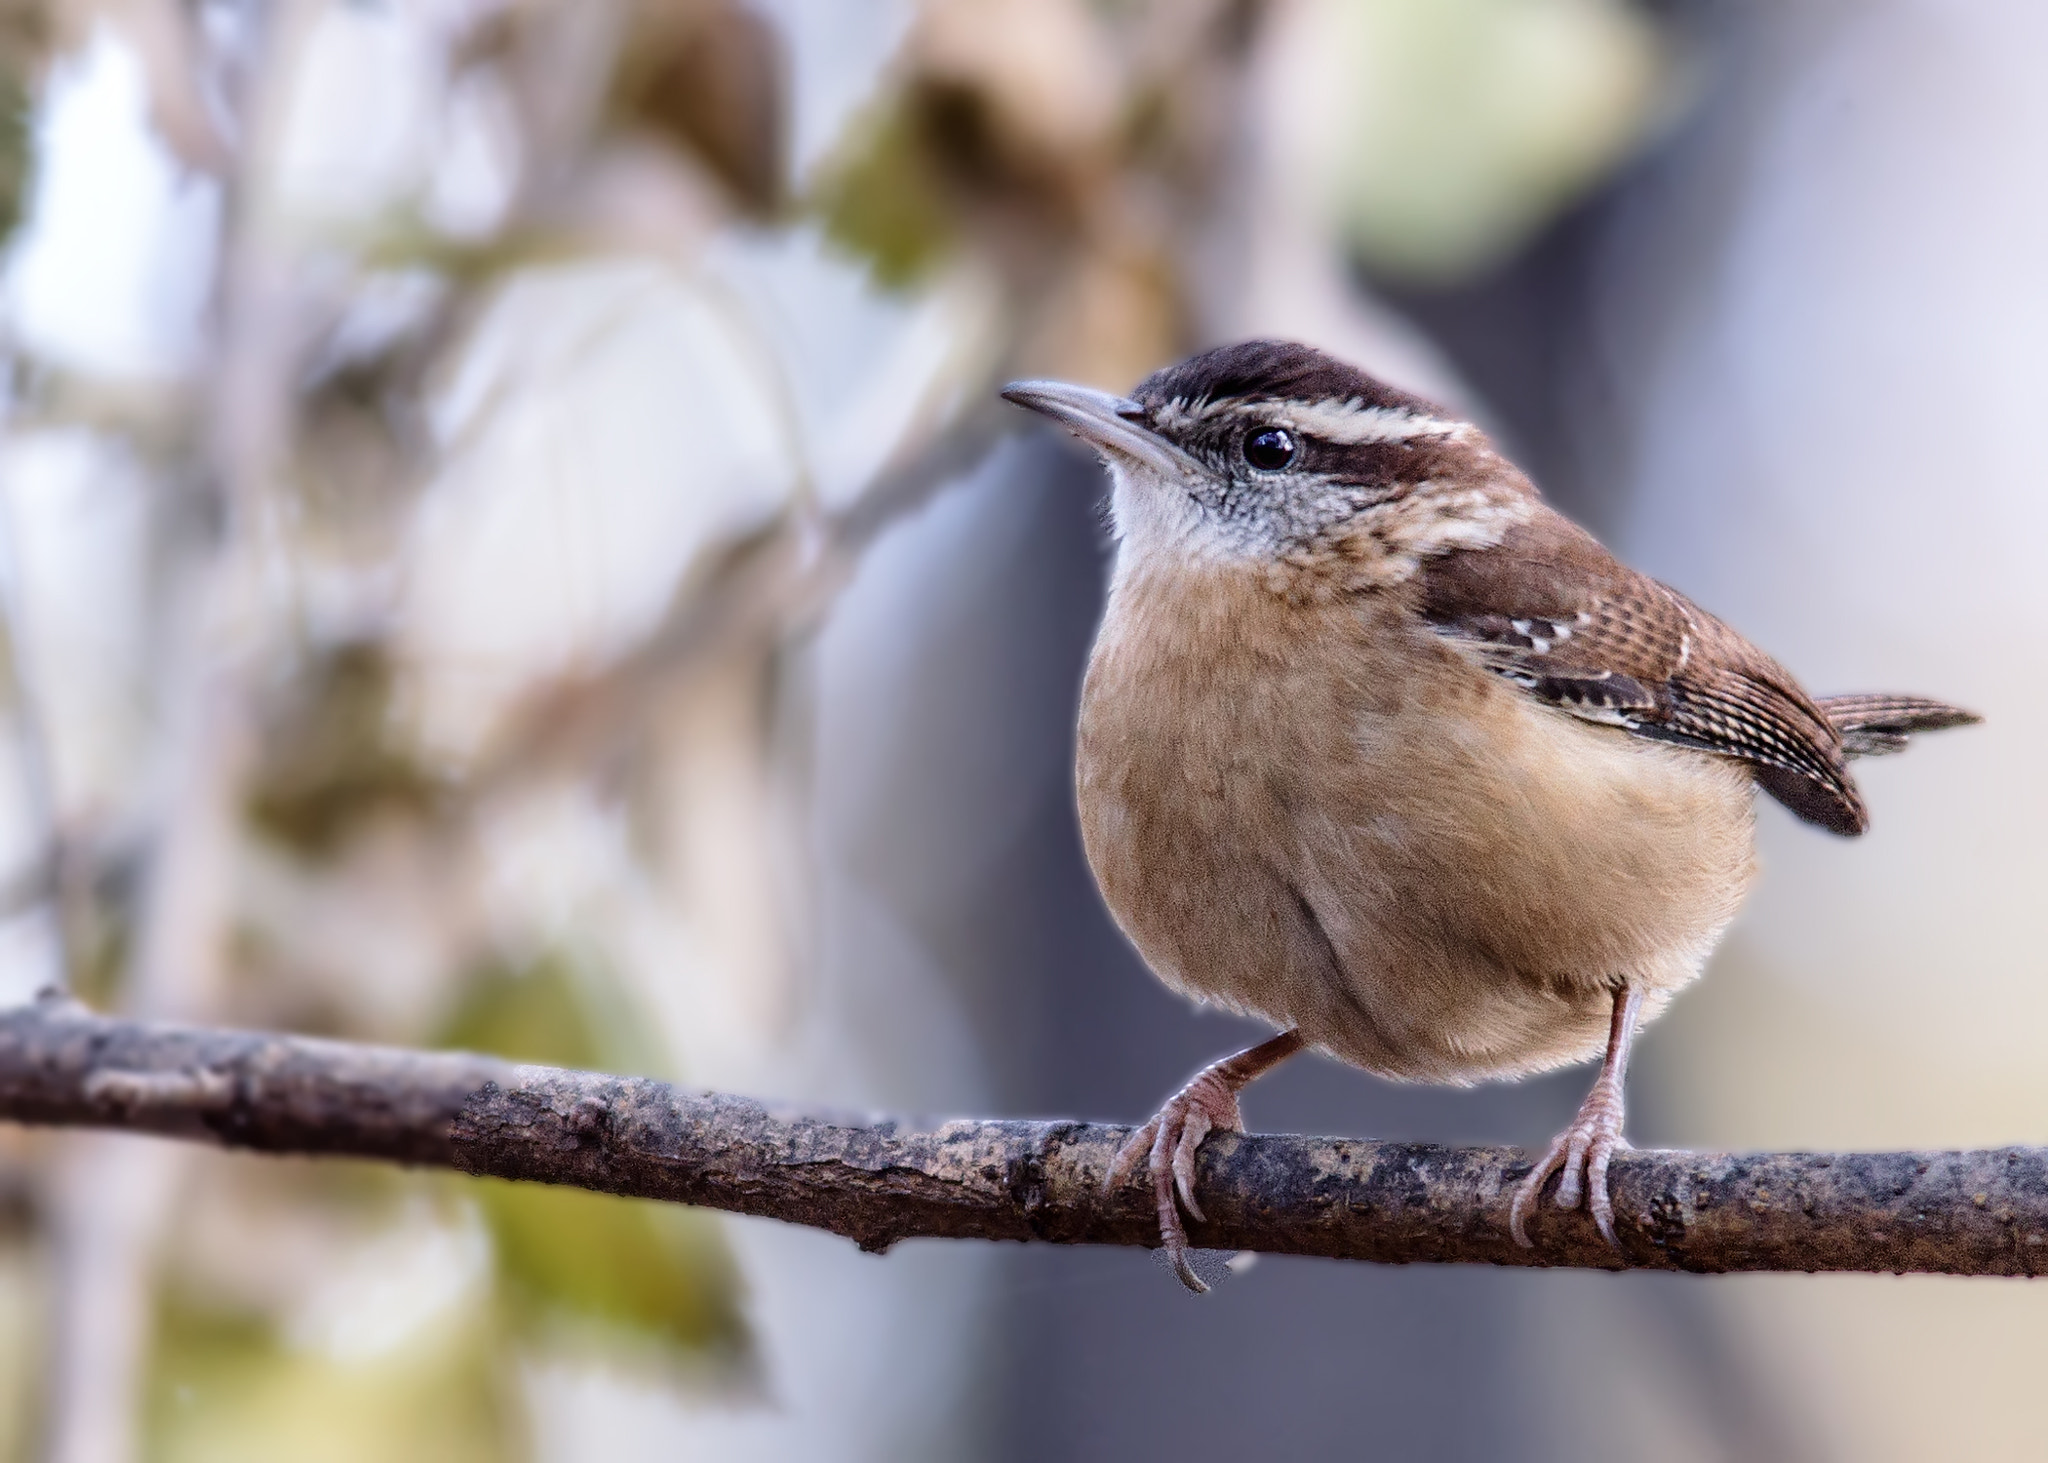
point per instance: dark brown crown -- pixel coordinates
(1273, 370)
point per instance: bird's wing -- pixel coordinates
(1552, 611)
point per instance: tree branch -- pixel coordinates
(877, 1182)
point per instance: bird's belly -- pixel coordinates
(1444, 885)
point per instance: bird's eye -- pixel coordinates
(1269, 448)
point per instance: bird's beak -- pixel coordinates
(1113, 425)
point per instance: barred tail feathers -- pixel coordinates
(1874, 725)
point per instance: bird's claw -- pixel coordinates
(1583, 1152)
(1170, 1142)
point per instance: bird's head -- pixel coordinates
(1271, 452)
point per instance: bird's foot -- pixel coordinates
(1582, 1151)
(1169, 1142)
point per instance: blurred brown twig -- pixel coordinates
(758, 593)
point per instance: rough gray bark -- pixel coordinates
(878, 1181)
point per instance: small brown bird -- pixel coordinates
(1376, 746)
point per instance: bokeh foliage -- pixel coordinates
(653, 1275)
(649, 1286)
(293, 839)
(229, 1389)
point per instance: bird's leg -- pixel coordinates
(1207, 1104)
(1586, 1146)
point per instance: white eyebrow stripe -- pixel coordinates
(1352, 423)
(1347, 423)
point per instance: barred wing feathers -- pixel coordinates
(1552, 611)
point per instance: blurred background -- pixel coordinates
(506, 540)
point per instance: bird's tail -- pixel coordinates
(1874, 725)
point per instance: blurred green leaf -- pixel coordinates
(577, 1265)
(24, 40)
(1450, 131)
(539, 1011)
(581, 1265)
(22, 1323)
(885, 199)
(228, 1388)
(14, 145)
